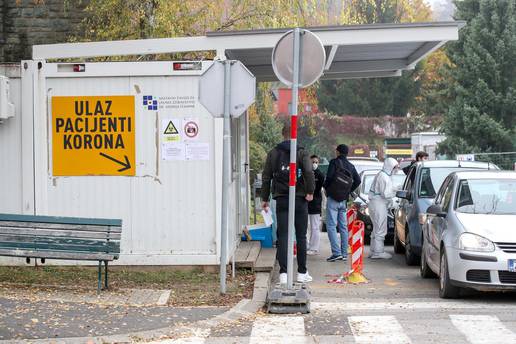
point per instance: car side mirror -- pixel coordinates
(436, 211)
(404, 194)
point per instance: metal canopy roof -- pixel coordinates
(358, 51)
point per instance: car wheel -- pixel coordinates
(446, 289)
(424, 269)
(410, 257)
(398, 246)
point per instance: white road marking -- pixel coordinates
(377, 330)
(278, 330)
(374, 306)
(483, 329)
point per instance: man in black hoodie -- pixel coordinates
(336, 205)
(277, 170)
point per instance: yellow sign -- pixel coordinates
(398, 151)
(93, 136)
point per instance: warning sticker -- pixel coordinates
(170, 129)
(191, 128)
(93, 136)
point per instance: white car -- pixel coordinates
(469, 236)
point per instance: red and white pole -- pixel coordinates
(293, 160)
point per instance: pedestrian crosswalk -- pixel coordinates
(278, 330)
(483, 329)
(377, 329)
(401, 328)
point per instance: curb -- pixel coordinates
(244, 308)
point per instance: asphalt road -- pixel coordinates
(396, 306)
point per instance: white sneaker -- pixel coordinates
(283, 278)
(312, 253)
(383, 255)
(304, 278)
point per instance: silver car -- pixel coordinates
(469, 239)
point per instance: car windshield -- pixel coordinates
(432, 178)
(360, 166)
(397, 180)
(366, 183)
(487, 196)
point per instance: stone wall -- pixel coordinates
(24, 23)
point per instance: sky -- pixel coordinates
(432, 2)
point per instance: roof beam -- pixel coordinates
(338, 76)
(425, 50)
(250, 40)
(340, 67)
(365, 66)
(331, 56)
(360, 75)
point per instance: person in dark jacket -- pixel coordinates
(277, 170)
(420, 156)
(314, 209)
(336, 209)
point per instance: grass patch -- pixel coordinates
(189, 288)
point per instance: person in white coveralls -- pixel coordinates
(380, 199)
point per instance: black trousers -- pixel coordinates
(300, 223)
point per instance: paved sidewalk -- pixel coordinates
(25, 319)
(61, 315)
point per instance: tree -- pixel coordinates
(376, 96)
(482, 116)
(135, 19)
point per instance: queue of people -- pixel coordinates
(341, 180)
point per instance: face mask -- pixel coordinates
(314, 165)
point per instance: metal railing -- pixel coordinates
(504, 160)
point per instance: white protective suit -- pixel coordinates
(380, 197)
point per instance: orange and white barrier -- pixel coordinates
(356, 231)
(357, 253)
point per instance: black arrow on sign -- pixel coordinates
(126, 164)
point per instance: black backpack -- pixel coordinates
(281, 173)
(340, 187)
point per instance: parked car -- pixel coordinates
(361, 202)
(468, 235)
(363, 164)
(419, 191)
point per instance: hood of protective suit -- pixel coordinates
(389, 165)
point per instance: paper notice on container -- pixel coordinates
(171, 129)
(197, 151)
(173, 151)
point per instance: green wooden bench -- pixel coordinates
(68, 238)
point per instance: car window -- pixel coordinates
(398, 179)
(487, 196)
(440, 194)
(432, 178)
(410, 179)
(447, 196)
(366, 183)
